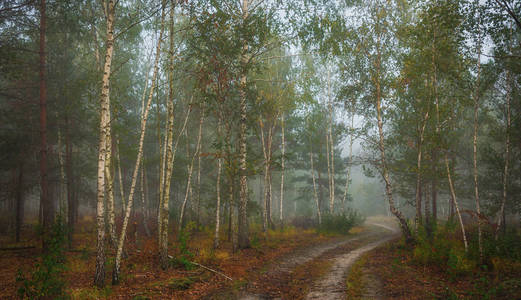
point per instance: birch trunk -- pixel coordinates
(99, 277)
(164, 195)
(385, 171)
(190, 169)
(418, 219)
(331, 171)
(116, 271)
(143, 200)
(315, 196)
(68, 167)
(218, 189)
(109, 181)
(501, 217)
(475, 152)
(348, 176)
(243, 235)
(281, 200)
(120, 177)
(454, 202)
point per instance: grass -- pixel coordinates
(354, 281)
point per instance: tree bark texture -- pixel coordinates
(99, 277)
(121, 241)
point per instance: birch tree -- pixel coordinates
(109, 11)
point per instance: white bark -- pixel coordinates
(190, 169)
(315, 196)
(99, 277)
(281, 200)
(116, 271)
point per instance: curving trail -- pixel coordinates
(341, 254)
(332, 285)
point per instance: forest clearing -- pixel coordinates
(260, 149)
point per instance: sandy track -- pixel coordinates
(332, 285)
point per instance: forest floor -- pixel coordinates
(389, 272)
(368, 263)
(142, 277)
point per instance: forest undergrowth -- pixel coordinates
(66, 273)
(437, 267)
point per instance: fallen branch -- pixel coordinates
(212, 270)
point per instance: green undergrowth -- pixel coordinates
(354, 282)
(496, 274)
(340, 224)
(45, 281)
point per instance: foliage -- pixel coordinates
(341, 223)
(182, 283)
(45, 281)
(442, 250)
(183, 259)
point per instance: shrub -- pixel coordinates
(185, 256)
(439, 248)
(45, 281)
(340, 224)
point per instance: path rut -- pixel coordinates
(332, 285)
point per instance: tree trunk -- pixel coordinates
(70, 199)
(266, 150)
(99, 277)
(281, 200)
(475, 152)
(315, 188)
(501, 217)
(348, 175)
(243, 235)
(331, 152)
(164, 195)
(47, 204)
(63, 206)
(218, 189)
(191, 168)
(19, 218)
(109, 182)
(144, 200)
(116, 271)
(385, 171)
(120, 177)
(455, 202)
(434, 187)
(418, 219)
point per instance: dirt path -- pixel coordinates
(299, 275)
(332, 285)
